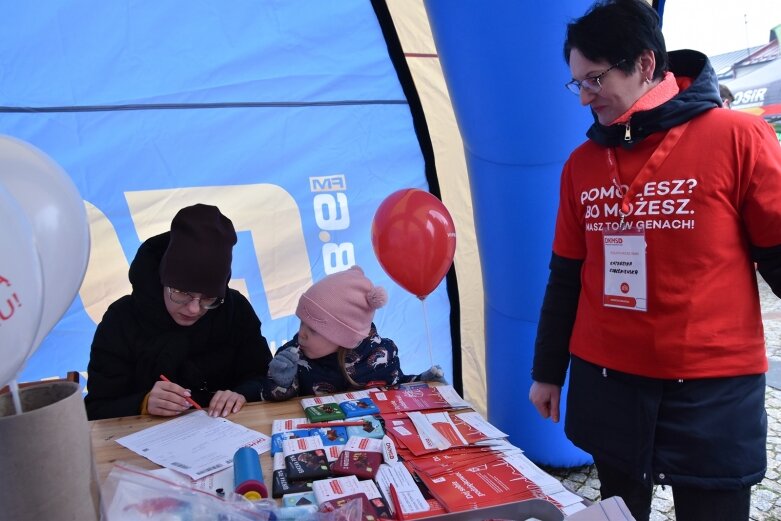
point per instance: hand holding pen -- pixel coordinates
(169, 399)
(222, 403)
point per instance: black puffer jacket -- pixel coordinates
(137, 341)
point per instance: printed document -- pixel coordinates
(195, 444)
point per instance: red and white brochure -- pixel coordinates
(474, 428)
(435, 464)
(417, 399)
(444, 425)
(429, 435)
(547, 483)
(482, 485)
(405, 434)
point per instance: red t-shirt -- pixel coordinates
(718, 191)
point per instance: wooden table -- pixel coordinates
(259, 416)
(106, 451)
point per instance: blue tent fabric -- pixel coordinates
(506, 76)
(193, 52)
(136, 99)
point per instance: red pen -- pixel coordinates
(396, 503)
(318, 425)
(189, 400)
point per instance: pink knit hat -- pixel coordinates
(341, 306)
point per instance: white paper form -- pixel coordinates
(221, 480)
(195, 444)
(410, 498)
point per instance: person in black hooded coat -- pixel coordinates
(182, 321)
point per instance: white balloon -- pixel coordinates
(56, 212)
(21, 288)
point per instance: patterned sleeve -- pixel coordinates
(379, 363)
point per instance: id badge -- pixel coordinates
(625, 273)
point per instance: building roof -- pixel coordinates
(733, 64)
(722, 63)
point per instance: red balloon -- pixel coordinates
(414, 239)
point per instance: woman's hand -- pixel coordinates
(224, 403)
(167, 399)
(546, 398)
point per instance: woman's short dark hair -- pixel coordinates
(615, 30)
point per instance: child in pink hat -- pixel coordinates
(337, 347)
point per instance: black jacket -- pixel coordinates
(137, 341)
(557, 317)
(701, 95)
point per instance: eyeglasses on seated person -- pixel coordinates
(183, 297)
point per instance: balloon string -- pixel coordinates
(14, 386)
(428, 332)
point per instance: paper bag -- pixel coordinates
(46, 456)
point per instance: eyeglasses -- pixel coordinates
(182, 297)
(592, 83)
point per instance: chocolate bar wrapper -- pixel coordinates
(324, 412)
(279, 437)
(307, 466)
(299, 499)
(371, 429)
(368, 511)
(331, 435)
(281, 485)
(359, 407)
(361, 464)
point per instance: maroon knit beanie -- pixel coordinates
(341, 306)
(199, 254)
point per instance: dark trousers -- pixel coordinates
(691, 504)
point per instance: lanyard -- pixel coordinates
(650, 166)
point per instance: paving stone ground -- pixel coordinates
(765, 497)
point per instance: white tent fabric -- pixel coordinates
(412, 25)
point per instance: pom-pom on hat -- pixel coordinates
(199, 254)
(341, 306)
